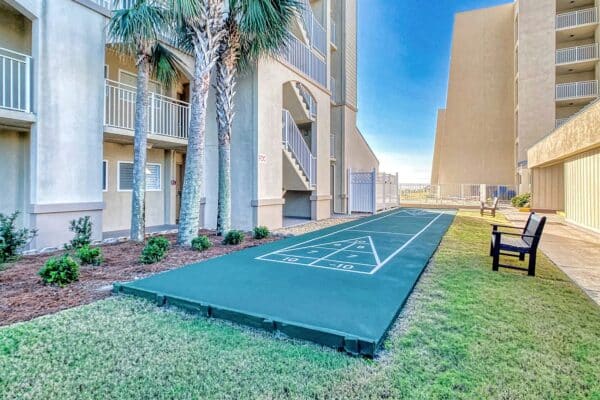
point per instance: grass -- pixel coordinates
(467, 333)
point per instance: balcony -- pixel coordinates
(304, 59)
(333, 88)
(571, 55)
(577, 91)
(577, 18)
(15, 81)
(334, 37)
(167, 117)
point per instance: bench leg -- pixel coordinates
(532, 260)
(521, 256)
(496, 259)
(494, 213)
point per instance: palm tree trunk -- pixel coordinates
(189, 217)
(225, 84)
(138, 198)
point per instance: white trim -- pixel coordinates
(105, 177)
(160, 189)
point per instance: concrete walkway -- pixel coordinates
(574, 250)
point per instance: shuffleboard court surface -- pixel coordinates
(342, 286)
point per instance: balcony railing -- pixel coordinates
(560, 122)
(577, 54)
(294, 142)
(316, 33)
(166, 116)
(15, 80)
(333, 88)
(300, 56)
(576, 90)
(577, 18)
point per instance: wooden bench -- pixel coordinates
(492, 209)
(517, 245)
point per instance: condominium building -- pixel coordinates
(67, 100)
(518, 72)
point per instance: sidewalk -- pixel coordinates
(574, 250)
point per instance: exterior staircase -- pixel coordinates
(303, 171)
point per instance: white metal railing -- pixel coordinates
(560, 122)
(577, 54)
(15, 80)
(316, 33)
(294, 142)
(332, 146)
(575, 90)
(300, 56)
(454, 194)
(333, 32)
(308, 99)
(166, 116)
(576, 18)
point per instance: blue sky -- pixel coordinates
(404, 53)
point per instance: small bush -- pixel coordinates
(201, 243)
(234, 237)
(90, 255)
(161, 242)
(82, 228)
(11, 238)
(60, 271)
(261, 232)
(155, 250)
(522, 200)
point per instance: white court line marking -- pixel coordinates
(394, 254)
(383, 233)
(374, 251)
(335, 232)
(318, 266)
(332, 254)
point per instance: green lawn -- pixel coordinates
(466, 333)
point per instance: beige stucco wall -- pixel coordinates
(438, 146)
(479, 139)
(14, 168)
(359, 155)
(582, 189)
(579, 134)
(536, 72)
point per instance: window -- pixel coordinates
(104, 175)
(153, 177)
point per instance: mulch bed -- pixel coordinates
(23, 296)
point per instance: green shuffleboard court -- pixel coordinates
(341, 287)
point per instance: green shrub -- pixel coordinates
(160, 241)
(90, 255)
(11, 238)
(60, 271)
(155, 250)
(234, 237)
(201, 243)
(521, 200)
(82, 228)
(261, 232)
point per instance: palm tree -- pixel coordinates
(253, 29)
(135, 32)
(199, 28)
